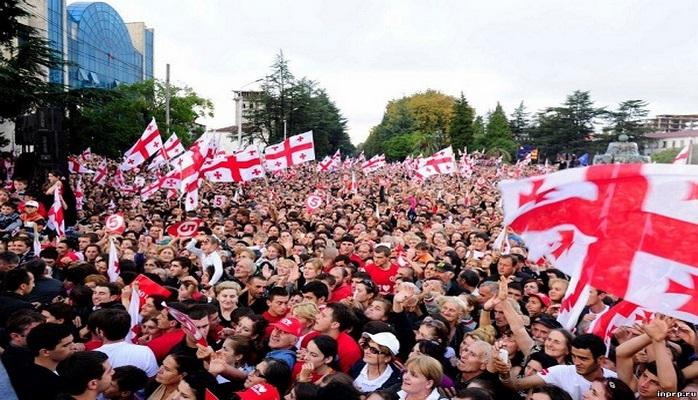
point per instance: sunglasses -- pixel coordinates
(373, 350)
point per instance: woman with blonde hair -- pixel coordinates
(457, 313)
(306, 313)
(421, 379)
(227, 297)
(166, 254)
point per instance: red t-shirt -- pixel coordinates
(340, 293)
(383, 278)
(162, 345)
(271, 319)
(348, 351)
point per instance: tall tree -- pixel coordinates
(520, 121)
(629, 119)
(301, 106)
(498, 134)
(461, 128)
(110, 121)
(479, 141)
(25, 58)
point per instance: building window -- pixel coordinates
(673, 144)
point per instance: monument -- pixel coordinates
(621, 152)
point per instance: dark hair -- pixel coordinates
(59, 311)
(338, 390)
(15, 278)
(19, 320)
(278, 374)
(199, 311)
(277, 291)
(545, 360)
(514, 260)
(317, 288)
(616, 389)
(186, 363)
(474, 394)
(554, 392)
(114, 289)
(49, 252)
(46, 336)
(328, 347)
(79, 369)
(36, 266)
(342, 314)
(129, 378)
(431, 348)
(9, 258)
(590, 342)
(260, 324)
(470, 277)
(305, 391)
(184, 262)
(114, 323)
(199, 381)
(680, 379)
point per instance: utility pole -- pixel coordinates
(167, 99)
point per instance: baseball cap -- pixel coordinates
(289, 325)
(31, 203)
(444, 267)
(547, 321)
(385, 339)
(260, 391)
(543, 298)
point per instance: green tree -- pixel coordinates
(520, 122)
(302, 106)
(401, 146)
(498, 132)
(568, 128)
(628, 119)
(428, 112)
(461, 128)
(25, 57)
(110, 121)
(479, 133)
(665, 156)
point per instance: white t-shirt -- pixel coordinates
(123, 353)
(365, 385)
(567, 378)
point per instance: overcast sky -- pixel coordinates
(366, 53)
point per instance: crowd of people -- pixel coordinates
(391, 290)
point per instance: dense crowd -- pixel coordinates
(393, 290)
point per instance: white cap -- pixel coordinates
(31, 203)
(385, 339)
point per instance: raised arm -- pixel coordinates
(521, 336)
(658, 330)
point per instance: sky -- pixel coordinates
(368, 52)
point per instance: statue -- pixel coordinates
(622, 152)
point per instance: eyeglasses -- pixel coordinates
(373, 350)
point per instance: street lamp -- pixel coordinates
(238, 113)
(295, 109)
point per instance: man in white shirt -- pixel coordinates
(588, 353)
(208, 255)
(112, 326)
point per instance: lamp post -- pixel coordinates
(238, 100)
(295, 109)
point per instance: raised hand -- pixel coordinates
(658, 328)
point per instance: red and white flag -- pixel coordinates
(149, 143)
(573, 303)
(79, 194)
(242, 166)
(336, 161)
(113, 267)
(374, 164)
(624, 313)
(115, 224)
(171, 149)
(501, 243)
(354, 185)
(134, 311)
(466, 166)
(682, 157)
(56, 220)
(100, 177)
(74, 167)
(192, 162)
(442, 162)
(293, 151)
(188, 325)
(312, 203)
(632, 222)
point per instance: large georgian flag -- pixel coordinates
(242, 166)
(630, 228)
(148, 144)
(292, 151)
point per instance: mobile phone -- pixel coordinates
(504, 355)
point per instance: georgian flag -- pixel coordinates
(682, 157)
(191, 166)
(74, 167)
(79, 195)
(242, 166)
(170, 150)
(374, 164)
(442, 162)
(100, 177)
(148, 144)
(293, 151)
(632, 222)
(55, 214)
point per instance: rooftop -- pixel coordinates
(677, 134)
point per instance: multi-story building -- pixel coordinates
(673, 123)
(98, 48)
(670, 140)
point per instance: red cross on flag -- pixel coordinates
(74, 167)
(149, 143)
(629, 227)
(292, 151)
(682, 157)
(242, 166)
(624, 313)
(55, 214)
(171, 149)
(374, 164)
(325, 165)
(188, 326)
(442, 162)
(100, 177)
(191, 167)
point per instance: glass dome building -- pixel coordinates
(99, 48)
